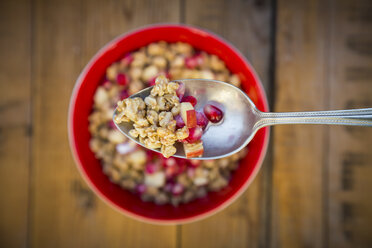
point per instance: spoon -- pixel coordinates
(242, 119)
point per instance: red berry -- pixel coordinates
(199, 59)
(170, 162)
(151, 82)
(194, 61)
(151, 168)
(171, 171)
(124, 94)
(122, 79)
(191, 62)
(141, 188)
(201, 120)
(150, 154)
(168, 187)
(213, 113)
(177, 189)
(190, 99)
(195, 134)
(179, 121)
(181, 90)
(112, 124)
(194, 163)
(190, 172)
(181, 166)
(107, 84)
(128, 58)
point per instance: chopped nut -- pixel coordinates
(134, 133)
(152, 117)
(111, 72)
(165, 118)
(176, 110)
(149, 73)
(155, 49)
(160, 62)
(168, 151)
(235, 80)
(156, 179)
(182, 133)
(116, 137)
(135, 86)
(135, 73)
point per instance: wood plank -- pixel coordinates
(246, 24)
(65, 213)
(15, 113)
(300, 150)
(350, 157)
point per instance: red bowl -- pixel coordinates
(81, 106)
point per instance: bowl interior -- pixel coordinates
(81, 105)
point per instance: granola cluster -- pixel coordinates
(141, 171)
(153, 117)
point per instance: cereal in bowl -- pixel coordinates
(144, 172)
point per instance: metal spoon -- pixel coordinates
(242, 119)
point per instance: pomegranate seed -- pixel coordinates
(194, 61)
(194, 163)
(170, 162)
(191, 172)
(190, 99)
(179, 121)
(151, 168)
(150, 154)
(122, 79)
(141, 188)
(124, 94)
(181, 167)
(199, 59)
(213, 113)
(112, 124)
(191, 62)
(177, 189)
(181, 90)
(201, 120)
(128, 58)
(168, 187)
(170, 172)
(195, 134)
(151, 82)
(107, 84)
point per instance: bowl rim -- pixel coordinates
(72, 137)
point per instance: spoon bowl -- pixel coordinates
(225, 138)
(242, 119)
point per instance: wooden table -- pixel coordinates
(314, 187)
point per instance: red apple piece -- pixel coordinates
(188, 114)
(193, 150)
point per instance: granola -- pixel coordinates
(163, 181)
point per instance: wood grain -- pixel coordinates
(15, 128)
(312, 191)
(65, 213)
(350, 157)
(300, 150)
(246, 24)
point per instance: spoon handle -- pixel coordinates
(352, 117)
